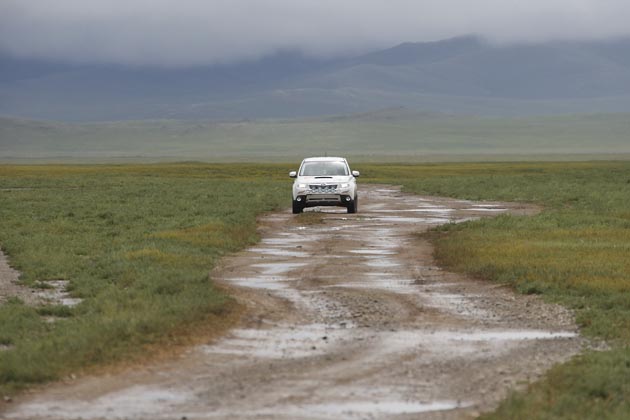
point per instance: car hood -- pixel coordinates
(323, 179)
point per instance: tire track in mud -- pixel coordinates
(349, 318)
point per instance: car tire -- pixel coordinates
(353, 207)
(297, 207)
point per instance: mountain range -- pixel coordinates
(465, 75)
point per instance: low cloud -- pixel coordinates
(202, 32)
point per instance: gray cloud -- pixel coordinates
(192, 32)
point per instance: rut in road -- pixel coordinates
(349, 318)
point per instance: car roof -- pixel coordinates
(324, 159)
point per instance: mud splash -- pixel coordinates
(140, 402)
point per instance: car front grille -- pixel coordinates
(322, 188)
(323, 199)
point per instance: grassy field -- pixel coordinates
(576, 252)
(136, 242)
(395, 135)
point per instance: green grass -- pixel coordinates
(368, 137)
(136, 244)
(576, 252)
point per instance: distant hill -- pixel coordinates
(463, 75)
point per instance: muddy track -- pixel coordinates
(349, 318)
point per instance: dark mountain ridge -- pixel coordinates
(464, 75)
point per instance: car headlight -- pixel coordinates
(344, 186)
(301, 185)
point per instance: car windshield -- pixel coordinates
(324, 169)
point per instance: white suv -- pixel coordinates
(324, 181)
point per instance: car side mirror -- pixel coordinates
(356, 174)
(293, 174)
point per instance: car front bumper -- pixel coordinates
(313, 200)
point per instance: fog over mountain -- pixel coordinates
(463, 75)
(232, 59)
(190, 33)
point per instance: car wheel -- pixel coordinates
(297, 207)
(354, 206)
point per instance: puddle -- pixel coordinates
(281, 342)
(328, 210)
(441, 341)
(373, 252)
(484, 209)
(278, 267)
(456, 304)
(388, 284)
(273, 277)
(437, 221)
(287, 241)
(382, 263)
(337, 228)
(439, 345)
(379, 274)
(504, 335)
(279, 252)
(133, 402)
(261, 282)
(348, 409)
(57, 294)
(361, 408)
(420, 210)
(401, 219)
(383, 238)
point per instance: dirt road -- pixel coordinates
(349, 318)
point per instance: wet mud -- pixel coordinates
(49, 292)
(348, 318)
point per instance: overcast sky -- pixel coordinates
(193, 32)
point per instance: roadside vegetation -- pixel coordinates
(137, 242)
(576, 253)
